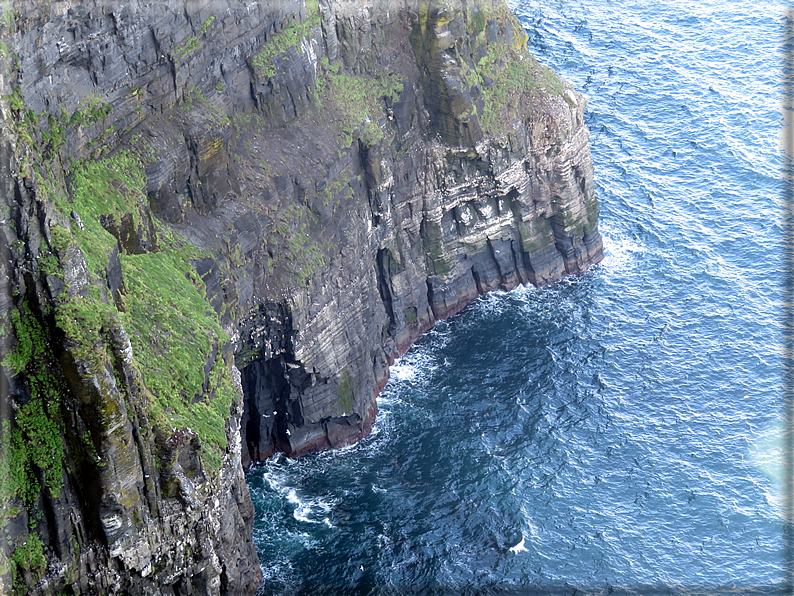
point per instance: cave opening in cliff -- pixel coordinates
(267, 408)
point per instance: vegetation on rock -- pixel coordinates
(355, 103)
(162, 303)
(265, 61)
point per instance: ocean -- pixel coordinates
(619, 431)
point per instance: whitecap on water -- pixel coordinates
(619, 251)
(275, 481)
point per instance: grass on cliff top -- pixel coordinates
(173, 329)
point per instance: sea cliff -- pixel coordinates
(221, 222)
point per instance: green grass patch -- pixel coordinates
(47, 139)
(516, 81)
(106, 188)
(163, 307)
(345, 392)
(173, 332)
(355, 103)
(29, 553)
(34, 444)
(296, 249)
(265, 61)
(191, 43)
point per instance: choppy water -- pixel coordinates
(617, 431)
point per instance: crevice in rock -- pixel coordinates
(81, 420)
(430, 301)
(384, 277)
(51, 524)
(516, 263)
(293, 105)
(266, 410)
(251, 431)
(477, 282)
(492, 252)
(369, 157)
(172, 68)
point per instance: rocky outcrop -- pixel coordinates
(221, 223)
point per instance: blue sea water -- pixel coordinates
(619, 431)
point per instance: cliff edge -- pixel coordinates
(221, 222)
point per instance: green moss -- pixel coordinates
(195, 99)
(18, 359)
(60, 239)
(29, 553)
(355, 103)
(48, 138)
(82, 318)
(431, 239)
(477, 23)
(424, 12)
(8, 18)
(15, 100)
(206, 24)
(265, 60)
(295, 251)
(5, 566)
(192, 42)
(515, 82)
(110, 188)
(90, 111)
(345, 392)
(48, 265)
(173, 330)
(34, 444)
(7, 485)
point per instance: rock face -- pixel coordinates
(221, 223)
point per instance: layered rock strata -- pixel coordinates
(221, 223)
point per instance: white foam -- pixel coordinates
(619, 251)
(403, 372)
(310, 511)
(413, 367)
(519, 547)
(276, 482)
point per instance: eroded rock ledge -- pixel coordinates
(221, 223)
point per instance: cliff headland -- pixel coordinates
(221, 222)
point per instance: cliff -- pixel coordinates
(221, 222)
